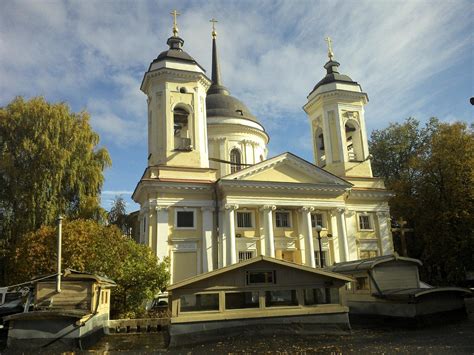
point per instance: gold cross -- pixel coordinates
(214, 21)
(175, 13)
(330, 52)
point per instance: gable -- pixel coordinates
(285, 173)
(287, 168)
(234, 276)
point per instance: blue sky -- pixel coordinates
(413, 58)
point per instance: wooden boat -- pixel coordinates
(72, 318)
(390, 286)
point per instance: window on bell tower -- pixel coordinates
(320, 150)
(235, 159)
(353, 141)
(182, 140)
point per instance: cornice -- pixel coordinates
(173, 74)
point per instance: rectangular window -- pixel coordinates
(364, 222)
(244, 219)
(261, 277)
(245, 255)
(281, 298)
(185, 219)
(317, 220)
(366, 254)
(199, 302)
(362, 283)
(314, 296)
(241, 300)
(282, 219)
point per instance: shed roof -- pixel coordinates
(369, 264)
(245, 263)
(70, 274)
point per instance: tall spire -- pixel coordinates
(216, 87)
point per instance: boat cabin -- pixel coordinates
(390, 286)
(258, 291)
(73, 317)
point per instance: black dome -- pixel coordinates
(222, 104)
(333, 75)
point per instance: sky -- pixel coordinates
(413, 58)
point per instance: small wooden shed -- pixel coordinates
(390, 286)
(73, 317)
(262, 291)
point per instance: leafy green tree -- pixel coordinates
(118, 215)
(91, 247)
(431, 171)
(444, 212)
(49, 165)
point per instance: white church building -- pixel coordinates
(210, 197)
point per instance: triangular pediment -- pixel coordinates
(287, 168)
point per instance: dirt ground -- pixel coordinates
(455, 337)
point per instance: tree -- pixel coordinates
(431, 171)
(91, 247)
(445, 203)
(49, 165)
(118, 215)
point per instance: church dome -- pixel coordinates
(176, 53)
(225, 105)
(333, 76)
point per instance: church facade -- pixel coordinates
(210, 197)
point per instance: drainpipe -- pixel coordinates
(58, 279)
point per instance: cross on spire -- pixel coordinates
(214, 21)
(175, 13)
(330, 52)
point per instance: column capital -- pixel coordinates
(268, 208)
(383, 214)
(162, 208)
(306, 209)
(207, 208)
(232, 207)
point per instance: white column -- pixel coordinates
(342, 233)
(335, 239)
(222, 260)
(308, 235)
(230, 233)
(268, 230)
(385, 234)
(301, 237)
(161, 232)
(207, 224)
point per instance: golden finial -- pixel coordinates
(330, 52)
(175, 13)
(214, 21)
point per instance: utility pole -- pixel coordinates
(58, 279)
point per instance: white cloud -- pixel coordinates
(94, 53)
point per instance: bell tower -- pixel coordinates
(335, 109)
(176, 87)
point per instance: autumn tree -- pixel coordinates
(49, 165)
(118, 215)
(91, 247)
(431, 171)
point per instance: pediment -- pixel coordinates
(287, 168)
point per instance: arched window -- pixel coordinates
(353, 141)
(235, 160)
(182, 141)
(320, 151)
